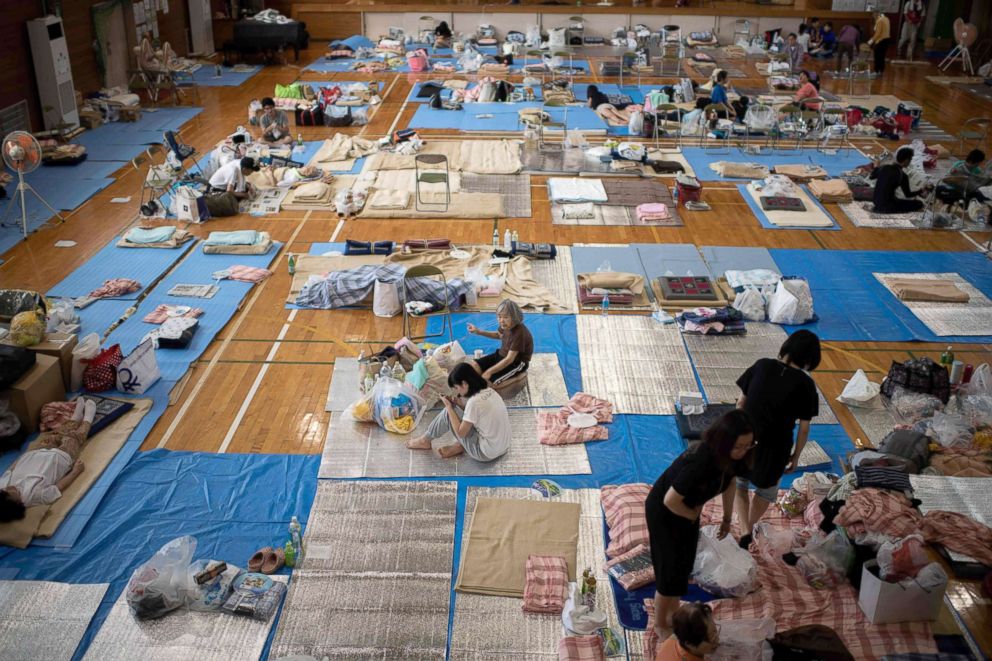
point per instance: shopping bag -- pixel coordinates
(101, 371)
(139, 370)
(386, 299)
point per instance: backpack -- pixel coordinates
(312, 116)
(813, 642)
(487, 93)
(503, 90)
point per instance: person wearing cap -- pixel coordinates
(230, 178)
(275, 125)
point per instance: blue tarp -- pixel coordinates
(768, 225)
(834, 164)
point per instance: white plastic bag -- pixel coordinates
(386, 299)
(826, 560)
(773, 542)
(743, 640)
(635, 126)
(951, 429)
(791, 304)
(448, 355)
(533, 36)
(396, 405)
(87, 348)
(165, 582)
(981, 381)
(903, 558)
(859, 391)
(61, 314)
(751, 304)
(189, 204)
(722, 567)
(139, 370)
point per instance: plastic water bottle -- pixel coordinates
(296, 537)
(515, 237)
(605, 305)
(299, 139)
(507, 238)
(495, 237)
(289, 554)
(292, 264)
(675, 195)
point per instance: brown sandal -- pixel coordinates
(274, 560)
(256, 561)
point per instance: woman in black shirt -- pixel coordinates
(776, 393)
(675, 502)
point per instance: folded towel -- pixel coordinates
(546, 584)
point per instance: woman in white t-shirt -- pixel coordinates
(49, 466)
(481, 429)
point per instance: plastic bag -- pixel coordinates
(773, 542)
(901, 559)
(751, 304)
(793, 502)
(722, 567)
(386, 299)
(27, 329)
(448, 355)
(908, 406)
(396, 405)
(470, 61)
(981, 381)
(859, 391)
(742, 640)
(361, 409)
(951, 429)
(61, 314)
(792, 303)
(418, 376)
(87, 348)
(977, 409)
(533, 39)
(165, 582)
(826, 560)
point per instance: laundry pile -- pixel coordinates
(579, 421)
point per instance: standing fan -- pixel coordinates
(965, 35)
(22, 154)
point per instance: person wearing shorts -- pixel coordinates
(776, 392)
(515, 349)
(49, 466)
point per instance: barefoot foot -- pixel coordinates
(421, 443)
(449, 451)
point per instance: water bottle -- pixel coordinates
(292, 264)
(507, 238)
(605, 305)
(217, 71)
(515, 238)
(296, 537)
(299, 139)
(675, 195)
(398, 372)
(495, 237)
(385, 372)
(289, 554)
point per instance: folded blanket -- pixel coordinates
(732, 170)
(262, 247)
(831, 190)
(574, 189)
(801, 173)
(578, 211)
(587, 297)
(915, 289)
(248, 273)
(546, 584)
(150, 234)
(581, 648)
(612, 280)
(389, 199)
(177, 238)
(315, 191)
(164, 312)
(235, 238)
(652, 211)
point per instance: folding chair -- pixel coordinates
(790, 128)
(542, 144)
(540, 58)
(182, 81)
(834, 124)
(628, 63)
(860, 73)
(664, 110)
(759, 120)
(811, 118)
(432, 169)
(570, 74)
(705, 141)
(975, 131)
(425, 271)
(158, 181)
(182, 153)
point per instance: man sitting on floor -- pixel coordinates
(275, 125)
(51, 464)
(230, 178)
(892, 177)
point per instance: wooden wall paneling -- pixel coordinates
(325, 26)
(17, 72)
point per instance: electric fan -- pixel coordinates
(22, 154)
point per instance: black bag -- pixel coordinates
(14, 363)
(666, 167)
(910, 445)
(813, 642)
(179, 343)
(918, 375)
(313, 116)
(342, 120)
(353, 247)
(436, 102)
(503, 90)
(221, 204)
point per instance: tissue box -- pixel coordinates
(885, 603)
(691, 402)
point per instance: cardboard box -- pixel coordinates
(91, 119)
(42, 384)
(58, 345)
(886, 603)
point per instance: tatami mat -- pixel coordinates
(489, 628)
(360, 449)
(377, 576)
(719, 362)
(639, 364)
(971, 318)
(183, 634)
(876, 423)
(545, 384)
(44, 621)
(513, 188)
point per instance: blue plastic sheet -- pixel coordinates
(721, 259)
(852, 305)
(142, 264)
(679, 258)
(206, 76)
(768, 225)
(162, 495)
(354, 42)
(504, 117)
(834, 164)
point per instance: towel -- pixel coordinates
(546, 582)
(917, 289)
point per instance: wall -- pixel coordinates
(17, 71)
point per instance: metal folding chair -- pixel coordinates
(789, 129)
(834, 125)
(432, 169)
(705, 141)
(542, 144)
(426, 271)
(975, 131)
(663, 111)
(860, 73)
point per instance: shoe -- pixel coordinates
(258, 559)
(745, 541)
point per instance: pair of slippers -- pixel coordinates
(267, 560)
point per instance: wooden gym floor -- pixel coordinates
(261, 385)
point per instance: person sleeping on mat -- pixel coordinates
(477, 418)
(515, 349)
(50, 465)
(609, 112)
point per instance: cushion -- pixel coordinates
(623, 506)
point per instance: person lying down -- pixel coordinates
(272, 176)
(50, 465)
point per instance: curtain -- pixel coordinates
(101, 14)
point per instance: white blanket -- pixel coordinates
(561, 189)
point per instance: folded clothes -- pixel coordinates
(835, 191)
(732, 170)
(115, 287)
(546, 584)
(587, 297)
(801, 173)
(653, 211)
(248, 273)
(632, 569)
(581, 648)
(164, 312)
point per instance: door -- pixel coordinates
(111, 33)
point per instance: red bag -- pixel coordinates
(329, 95)
(854, 117)
(417, 60)
(914, 17)
(904, 123)
(101, 372)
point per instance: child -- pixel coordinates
(50, 465)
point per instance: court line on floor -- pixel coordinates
(167, 436)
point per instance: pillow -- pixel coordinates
(623, 506)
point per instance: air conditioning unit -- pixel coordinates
(53, 72)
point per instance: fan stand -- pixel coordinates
(960, 52)
(22, 188)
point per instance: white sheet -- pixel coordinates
(573, 189)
